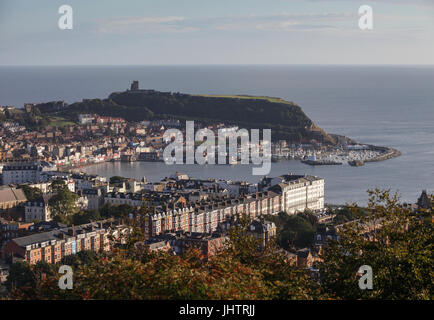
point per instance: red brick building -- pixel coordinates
(52, 246)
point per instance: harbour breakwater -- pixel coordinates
(386, 153)
(372, 153)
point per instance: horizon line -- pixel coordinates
(219, 64)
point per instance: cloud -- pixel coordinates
(170, 24)
(394, 2)
(327, 22)
(286, 22)
(176, 24)
(291, 26)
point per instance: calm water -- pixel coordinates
(392, 106)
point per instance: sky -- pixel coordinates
(177, 32)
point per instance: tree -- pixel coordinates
(20, 275)
(349, 213)
(31, 194)
(84, 217)
(398, 247)
(57, 185)
(80, 258)
(295, 230)
(117, 179)
(63, 203)
(120, 211)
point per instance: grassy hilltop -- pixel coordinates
(286, 119)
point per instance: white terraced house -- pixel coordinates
(38, 210)
(298, 193)
(25, 173)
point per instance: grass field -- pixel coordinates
(271, 99)
(60, 122)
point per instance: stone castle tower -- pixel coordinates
(135, 85)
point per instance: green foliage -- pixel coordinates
(63, 204)
(349, 213)
(239, 271)
(80, 258)
(84, 217)
(31, 194)
(399, 252)
(60, 122)
(32, 121)
(57, 185)
(104, 212)
(24, 278)
(121, 211)
(20, 276)
(117, 179)
(295, 231)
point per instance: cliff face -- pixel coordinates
(286, 119)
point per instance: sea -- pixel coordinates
(381, 105)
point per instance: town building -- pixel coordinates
(12, 229)
(85, 119)
(205, 217)
(95, 198)
(11, 197)
(38, 209)
(304, 258)
(117, 198)
(25, 172)
(323, 236)
(108, 120)
(262, 230)
(424, 202)
(298, 193)
(4, 272)
(178, 243)
(53, 246)
(43, 186)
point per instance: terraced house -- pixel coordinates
(298, 192)
(19, 173)
(38, 209)
(53, 246)
(204, 217)
(118, 198)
